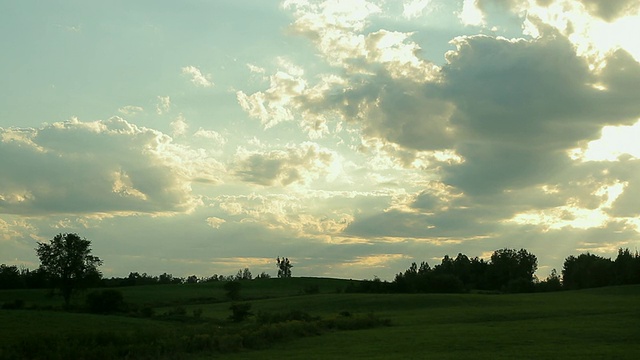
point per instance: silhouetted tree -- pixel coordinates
(512, 270)
(68, 263)
(587, 271)
(284, 267)
(551, 283)
(10, 277)
(244, 274)
(263, 275)
(626, 268)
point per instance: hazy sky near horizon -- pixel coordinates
(354, 137)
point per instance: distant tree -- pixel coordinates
(263, 275)
(35, 279)
(512, 270)
(11, 277)
(68, 263)
(192, 279)
(551, 283)
(627, 267)
(284, 267)
(587, 271)
(244, 274)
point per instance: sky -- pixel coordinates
(353, 137)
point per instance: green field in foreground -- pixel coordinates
(596, 323)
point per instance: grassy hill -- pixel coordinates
(594, 323)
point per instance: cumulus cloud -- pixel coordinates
(215, 222)
(415, 8)
(179, 125)
(494, 126)
(609, 10)
(164, 105)
(320, 216)
(295, 164)
(197, 77)
(109, 166)
(211, 135)
(130, 110)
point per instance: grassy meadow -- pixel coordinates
(596, 323)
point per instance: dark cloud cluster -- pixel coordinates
(609, 10)
(283, 167)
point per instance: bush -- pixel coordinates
(105, 301)
(240, 311)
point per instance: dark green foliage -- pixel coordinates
(105, 301)
(68, 263)
(272, 318)
(240, 311)
(243, 274)
(509, 271)
(551, 283)
(512, 270)
(587, 271)
(10, 277)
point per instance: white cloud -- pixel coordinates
(130, 110)
(211, 135)
(471, 13)
(164, 105)
(415, 8)
(197, 77)
(179, 125)
(215, 222)
(275, 105)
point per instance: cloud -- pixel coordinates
(179, 125)
(295, 164)
(211, 135)
(197, 77)
(415, 8)
(215, 222)
(130, 110)
(494, 127)
(108, 166)
(275, 104)
(609, 10)
(164, 105)
(471, 14)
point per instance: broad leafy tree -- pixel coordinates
(68, 263)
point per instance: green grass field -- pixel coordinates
(599, 323)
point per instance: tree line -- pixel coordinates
(509, 270)
(67, 264)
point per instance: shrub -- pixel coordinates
(240, 311)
